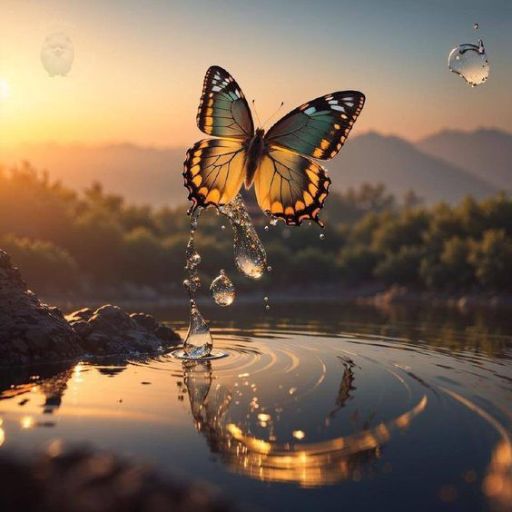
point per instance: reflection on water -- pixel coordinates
(299, 416)
(307, 464)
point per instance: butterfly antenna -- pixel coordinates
(256, 112)
(275, 113)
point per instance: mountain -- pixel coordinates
(402, 167)
(141, 174)
(153, 175)
(486, 153)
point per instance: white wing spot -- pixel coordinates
(338, 107)
(216, 88)
(310, 110)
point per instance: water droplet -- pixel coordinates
(266, 228)
(273, 221)
(57, 54)
(470, 62)
(223, 290)
(265, 299)
(223, 227)
(194, 259)
(476, 26)
(267, 307)
(269, 268)
(198, 342)
(321, 236)
(250, 256)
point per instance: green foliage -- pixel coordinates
(401, 266)
(61, 238)
(43, 264)
(491, 258)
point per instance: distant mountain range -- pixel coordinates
(445, 166)
(485, 153)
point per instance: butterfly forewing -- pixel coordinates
(291, 186)
(223, 110)
(214, 171)
(318, 128)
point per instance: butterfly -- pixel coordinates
(280, 163)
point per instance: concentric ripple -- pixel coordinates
(292, 407)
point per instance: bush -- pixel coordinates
(401, 267)
(491, 258)
(44, 265)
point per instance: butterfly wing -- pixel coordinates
(223, 110)
(318, 128)
(214, 171)
(291, 186)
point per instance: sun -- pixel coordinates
(4, 89)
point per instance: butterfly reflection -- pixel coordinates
(288, 182)
(227, 419)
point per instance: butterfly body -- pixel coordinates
(279, 163)
(256, 149)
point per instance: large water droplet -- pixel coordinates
(321, 236)
(223, 290)
(476, 26)
(470, 62)
(250, 256)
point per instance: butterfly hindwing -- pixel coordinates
(318, 128)
(291, 186)
(214, 171)
(223, 110)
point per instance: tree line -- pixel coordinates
(65, 240)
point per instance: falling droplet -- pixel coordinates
(269, 268)
(267, 307)
(273, 221)
(265, 299)
(476, 26)
(321, 236)
(198, 343)
(223, 290)
(470, 62)
(223, 227)
(266, 228)
(250, 256)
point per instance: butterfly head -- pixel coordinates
(260, 132)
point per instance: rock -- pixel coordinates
(29, 330)
(32, 332)
(84, 481)
(110, 330)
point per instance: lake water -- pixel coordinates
(323, 407)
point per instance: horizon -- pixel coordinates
(138, 69)
(127, 143)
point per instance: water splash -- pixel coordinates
(250, 256)
(250, 260)
(470, 62)
(199, 342)
(223, 290)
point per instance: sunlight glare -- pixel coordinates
(4, 89)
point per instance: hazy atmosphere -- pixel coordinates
(319, 319)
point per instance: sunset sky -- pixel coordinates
(139, 66)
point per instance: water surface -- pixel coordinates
(316, 408)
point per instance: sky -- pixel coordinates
(139, 66)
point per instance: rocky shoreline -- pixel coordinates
(33, 332)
